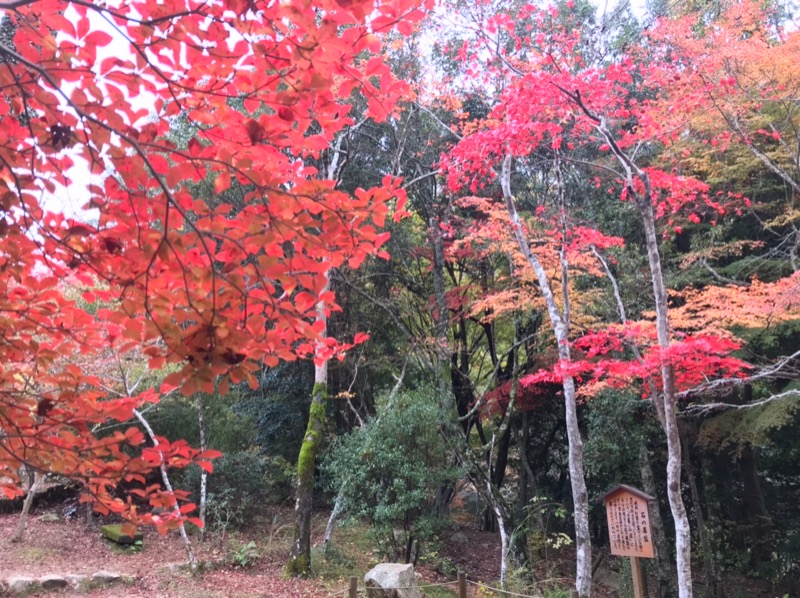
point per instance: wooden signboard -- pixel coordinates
(628, 514)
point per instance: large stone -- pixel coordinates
(106, 577)
(21, 585)
(53, 582)
(392, 580)
(113, 532)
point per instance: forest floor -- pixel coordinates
(53, 545)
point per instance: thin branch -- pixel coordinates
(709, 408)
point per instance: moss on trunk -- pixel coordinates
(299, 564)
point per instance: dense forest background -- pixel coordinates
(437, 395)
(506, 354)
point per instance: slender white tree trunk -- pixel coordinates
(165, 478)
(35, 481)
(665, 402)
(666, 580)
(501, 524)
(683, 535)
(201, 422)
(580, 496)
(337, 510)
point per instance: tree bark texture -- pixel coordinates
(665, 403)
(299, 564)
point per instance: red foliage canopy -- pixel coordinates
(217, 286)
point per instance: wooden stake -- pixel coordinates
(462, 585)
(354, 587)
(638, 578)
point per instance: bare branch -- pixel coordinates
(711, 408)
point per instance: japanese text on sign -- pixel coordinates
(629, 525)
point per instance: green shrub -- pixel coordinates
(392, 469)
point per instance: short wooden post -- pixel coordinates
(574, 594)
(353, 587)
(462, 585)
(638, 578)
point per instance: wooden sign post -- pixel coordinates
(628, 513)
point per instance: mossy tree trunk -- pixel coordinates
(299, 564)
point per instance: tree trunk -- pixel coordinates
(759, 522)
(299, 564)
(664, 571)
(501, 524)
(165, 479)
(35, 480)
(580, 496)
(513, 543)
(338, 505)
(683, 537)
(201, 424)
(665, 403)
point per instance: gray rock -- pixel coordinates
(51, 518)
(21, 585)
(77, 581)
(106, 577)
(53, 582)
(459, 537)
(392, 580)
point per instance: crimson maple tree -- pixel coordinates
(559, 99)
(212, 288)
